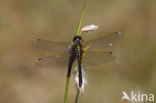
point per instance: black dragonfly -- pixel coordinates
(67, 53)
(80, 51)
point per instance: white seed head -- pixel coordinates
(89, 28)
(84, 81)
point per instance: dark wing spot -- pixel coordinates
(110, 52)
(39, 59)
(37, 40)
(118, 33)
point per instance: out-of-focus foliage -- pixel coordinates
(23, 20)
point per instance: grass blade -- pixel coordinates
(82, 14)
(77, 96)
(67, 89)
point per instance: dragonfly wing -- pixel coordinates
(92, 58)
(55, 61)
(104, 42)
(51, 46)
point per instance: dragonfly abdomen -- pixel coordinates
(79, 57)
(80, 73)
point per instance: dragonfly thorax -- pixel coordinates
(75, 49)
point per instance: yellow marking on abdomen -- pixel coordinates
(78, 47)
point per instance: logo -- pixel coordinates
(137, 96)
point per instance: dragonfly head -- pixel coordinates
(77, 39)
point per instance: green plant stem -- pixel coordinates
(68, 78)
(77, 96)
(67, 89)
(79, 26)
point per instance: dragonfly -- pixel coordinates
(77, 52)
(65, 54)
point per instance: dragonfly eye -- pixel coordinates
(77, 38)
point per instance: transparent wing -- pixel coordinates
(51, 46)
(92, 58)
(104, 42)
(55, 61)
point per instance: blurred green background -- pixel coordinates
(134, 68)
